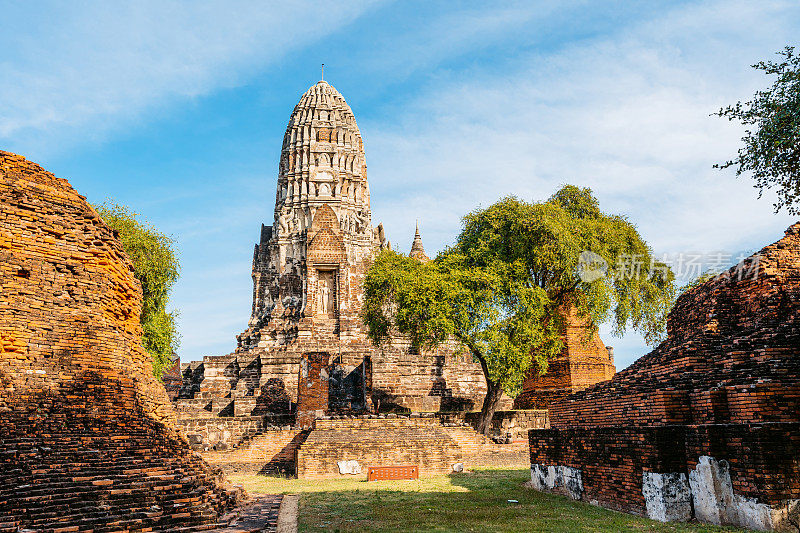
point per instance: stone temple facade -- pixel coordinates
(308, 271)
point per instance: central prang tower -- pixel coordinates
(305, 352)
(309, 265)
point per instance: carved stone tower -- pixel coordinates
(305, 351)
(306, 265)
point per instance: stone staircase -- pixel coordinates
(268, 452)
(470, 441)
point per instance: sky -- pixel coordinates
(178, 109)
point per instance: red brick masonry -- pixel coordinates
(716, 404)
(88, 440)
(583, 361)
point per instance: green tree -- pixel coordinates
(772, 139)
(156, 266)
(503, 288)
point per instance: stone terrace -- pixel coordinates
(375, 442)
(423, 439)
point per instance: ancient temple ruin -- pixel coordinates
(88, 438)
(583, 361)
(305, 352)
(705, 426)
(305, 355)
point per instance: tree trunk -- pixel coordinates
(493, 394)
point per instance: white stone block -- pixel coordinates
(715, 502)
(712, 491)
(564, 480)
(667, 496)
(349, 467)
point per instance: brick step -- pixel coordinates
(83, 506)
(66, 488)
(112, 520)
(91, 508)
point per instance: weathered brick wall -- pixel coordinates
(517, 422)
(377, 442)
(220, 432)
(612, 460)
(271, 451)
(725, 384)
(80, 412)
(763, 457)
(312, 392)
(172, 379)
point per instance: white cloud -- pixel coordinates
(627, 116)
(80, 69)
(625, 113)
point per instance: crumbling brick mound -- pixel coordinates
(707, 425)
(732, 354)
(87, 434)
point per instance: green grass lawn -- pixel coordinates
(475, 501)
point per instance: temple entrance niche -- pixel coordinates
(348, 386)
(326, 294)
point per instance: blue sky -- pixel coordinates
(178, 110)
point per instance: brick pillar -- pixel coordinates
(312, 387)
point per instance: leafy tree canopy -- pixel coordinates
(502, 290)
(156, 266)
(772, 138)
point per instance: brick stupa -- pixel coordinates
(584, 361)
(87, 434)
